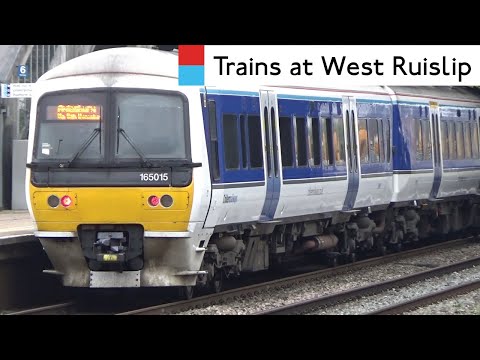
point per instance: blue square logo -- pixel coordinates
(191, 75)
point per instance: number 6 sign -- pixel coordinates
(22, 70)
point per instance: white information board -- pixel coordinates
(16, 90)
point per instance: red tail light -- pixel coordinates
(153, 200)
(66, 201)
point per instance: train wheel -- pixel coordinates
(382, 250)
(352, 246)
(217, 281)
(185, 292)
(333, 261)
(352, 257)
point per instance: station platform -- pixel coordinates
(15, 226)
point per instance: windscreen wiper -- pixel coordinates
(145, 162)
(132, 144)
(82, 148)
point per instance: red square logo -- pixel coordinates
(191, 55)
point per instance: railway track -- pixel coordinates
(226, 296)
(57, 309)
(70, 308)
(377, 288)
(428, 299)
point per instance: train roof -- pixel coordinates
(128, 60)
(439, 92)
(133, 60)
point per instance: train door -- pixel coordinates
(478, 117)
(437, 150)
(269, 110)
(353, 168)
(477, 129)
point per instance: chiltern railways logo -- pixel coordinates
(191, 65)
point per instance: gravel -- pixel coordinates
(374, 302)
(467, 304)
(306, 290)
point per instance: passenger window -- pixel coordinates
(373, 141)
(452, 141)
(301, 141)
(255, 141)
(339, 141)
(445, 142)
(230, 138)
(327, 157)
(419, 140)
(286, 141)
(387, 133)
(427, 140)
(275, 146)
(315, 141)
(381, 142)
(460, 146)
(242, 124)
(468, 141)
(474, 129)
(363, 140)
(268, 147)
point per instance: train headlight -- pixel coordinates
(166, 201)
(66, 201)
(153, 200)
(53, 201)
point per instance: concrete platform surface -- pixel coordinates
(15, 223)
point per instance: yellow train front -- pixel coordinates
(115, 180)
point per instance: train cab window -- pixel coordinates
(419, 140)
(243, 141)
(363, 140)
(445, 142)
(139, 116)
(339, 141)
(255, 141)
(388, 137)
(373, 141)
(69, 122)
(460, 146)
(468, 141)
(381, 142)
(286, 141)
(315, 141)
(212, 117)
(230, 141)
(474, 130)
(427, 140)
(327, 155)
(452, 141)
(301, 142)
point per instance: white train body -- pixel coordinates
(254, 175)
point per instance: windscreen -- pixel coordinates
(66, 122)
(111, 126)
(152, 124)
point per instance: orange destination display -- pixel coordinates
(74, 112)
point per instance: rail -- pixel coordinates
(370, 289)
(223, 297)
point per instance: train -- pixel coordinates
(135, 181)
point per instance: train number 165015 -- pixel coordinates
(154, 176)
